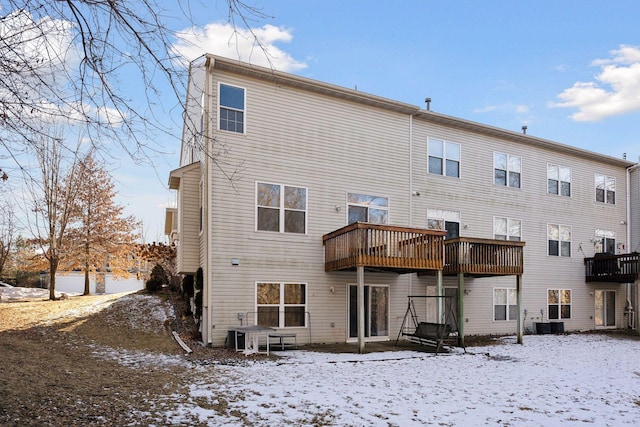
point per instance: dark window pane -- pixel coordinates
(452, 228)
(565, 248)
(435, 165)
(610, 245)
(565, 189)
(565, 312)
(553, 247)
(611, 197)
(599, 195)
(293, 316)
(294, 293)
(552, 186)
(268, 316)
(232, 97)
(500, 176)
(268, 219)
(514, 179)
(500, 312)
(231, 120)
(357, 214)
(294, 222)
(453, 168)
(553, 312)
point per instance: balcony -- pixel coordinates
(483, 257)
(383, 248)
(623, 268)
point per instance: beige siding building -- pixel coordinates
(486, 229)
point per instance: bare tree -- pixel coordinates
(99, 234)
(53, 199)
(66, 61)
(8, 230)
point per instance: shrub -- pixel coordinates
(198, 293)
(157, 280)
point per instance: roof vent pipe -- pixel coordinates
(428, 101)
(524, 130)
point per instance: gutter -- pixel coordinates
(629, 310)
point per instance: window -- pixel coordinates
(231, 111)
(559, 238)
(505, 304)
(507, 170)
(281, 208)
(605, 189)
(558, 180)
(559, 304)
(507, 229)
(363, 208)
(281, 305)
(444, 158)
(448, 221)
(605, 241)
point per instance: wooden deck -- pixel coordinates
(384, 247)
(622, 268)
(483, 257)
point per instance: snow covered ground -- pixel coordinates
(550, 380)
(581, 379)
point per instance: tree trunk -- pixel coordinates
(87, 291)
(53, 269)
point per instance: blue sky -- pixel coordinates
(568, 70)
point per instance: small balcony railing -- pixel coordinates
(383, 247)
(483, 257)
(622, 268)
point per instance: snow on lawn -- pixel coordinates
(550, 380)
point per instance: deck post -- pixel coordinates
(461, 309)
(360, 279)
(519, 302)
(440, 284)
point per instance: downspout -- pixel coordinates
(410, 187)
(207, 201)
(629, 306)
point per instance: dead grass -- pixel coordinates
(53, 371)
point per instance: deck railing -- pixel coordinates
(483, 257)
(622, 268)
(384, 247)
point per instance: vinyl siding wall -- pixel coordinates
(188, 254)
(333, 147)
(479, 200)
(330, 149)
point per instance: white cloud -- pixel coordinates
(256, 45)
(616, 90)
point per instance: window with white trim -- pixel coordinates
(507, 170)
(281, 208)
(281, 304)
(558, 180)
(449, 221)
(505, 304)
(558, 304)
(364, 208)
(231, 109)
(507, 228)
(443, 158)
(559, 240)
(605, 189)
(605, 241)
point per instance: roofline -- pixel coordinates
(316, 86)
(176, 174)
